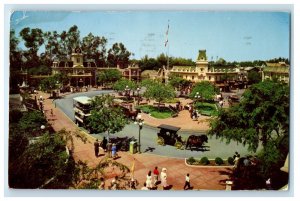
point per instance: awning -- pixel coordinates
(168, 127)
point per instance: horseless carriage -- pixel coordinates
(168, 136)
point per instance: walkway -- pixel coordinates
(201, 178)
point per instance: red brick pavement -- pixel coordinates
(201, 178)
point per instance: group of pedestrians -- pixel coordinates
(108, 147)
(152, 185)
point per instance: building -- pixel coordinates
(223, 76)
(280, 71)
(82, 72)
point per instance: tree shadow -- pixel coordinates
(149, 149)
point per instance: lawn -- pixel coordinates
(208, 109)
(155, 112)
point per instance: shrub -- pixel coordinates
(204, 161)
(191, 160)
(230, 160)
(219, 161)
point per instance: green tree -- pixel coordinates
(62, 78)
(94, 48)
(109, 76)
(33, 39)
(205, 89)
(31, 122)
(72, 38)
(49, 84)
(105, 115)
(262, 117)
(121, 85)
(158, 91)
(40, 162)
(254, 77)
(178, 82)
(118, 55)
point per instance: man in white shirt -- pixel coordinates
(187, 182)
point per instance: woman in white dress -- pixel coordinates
(149, 180)
(163, 177)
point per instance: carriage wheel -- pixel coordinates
(178, 145)
(160, 141)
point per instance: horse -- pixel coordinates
(196, 141)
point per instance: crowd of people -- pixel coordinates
(152, 182)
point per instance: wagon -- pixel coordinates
(168, 136)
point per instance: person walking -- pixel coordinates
(109, 148)
(96, 147)
(187, 182)
(155, 176)
(104, 144)
(51, 112)
(163, 178)
(114, 150)
(149, 180)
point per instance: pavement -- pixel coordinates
(202, 178)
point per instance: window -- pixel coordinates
(209, 77)
(201, 69)
(89, 64)
(192, 77)
(78, 60)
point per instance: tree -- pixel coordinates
(121, 85)
(72, 38)
(109, 76)
(105, 115)
(62, 78)
(205, 89)
(178, 82)
(31, 122)
(254, 77)
(94, 48)
(33, 40)
(49, 84)
(262, 116)
(118, 55)
(158, 91)
(40, 162)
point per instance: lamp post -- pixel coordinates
(138, 95)
(127, 92)
(140, 123)
(197, 96)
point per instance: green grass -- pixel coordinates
(163, 113)
(208, 109)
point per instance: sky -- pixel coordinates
(233, 36)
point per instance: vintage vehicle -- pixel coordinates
(168, 136)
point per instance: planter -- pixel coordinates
(211, 164)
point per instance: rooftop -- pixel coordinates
(83, 99)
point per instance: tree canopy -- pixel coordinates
(121, 84)
(105, 115)
(261, 117)
(109, 76)
(158, 91)
(205, 89)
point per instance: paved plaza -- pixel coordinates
(205, 178)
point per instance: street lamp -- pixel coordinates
(140, 122)
(197, 96)
(127, 91)
(42, 127)
(138, 95)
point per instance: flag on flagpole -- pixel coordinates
(167, 33)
